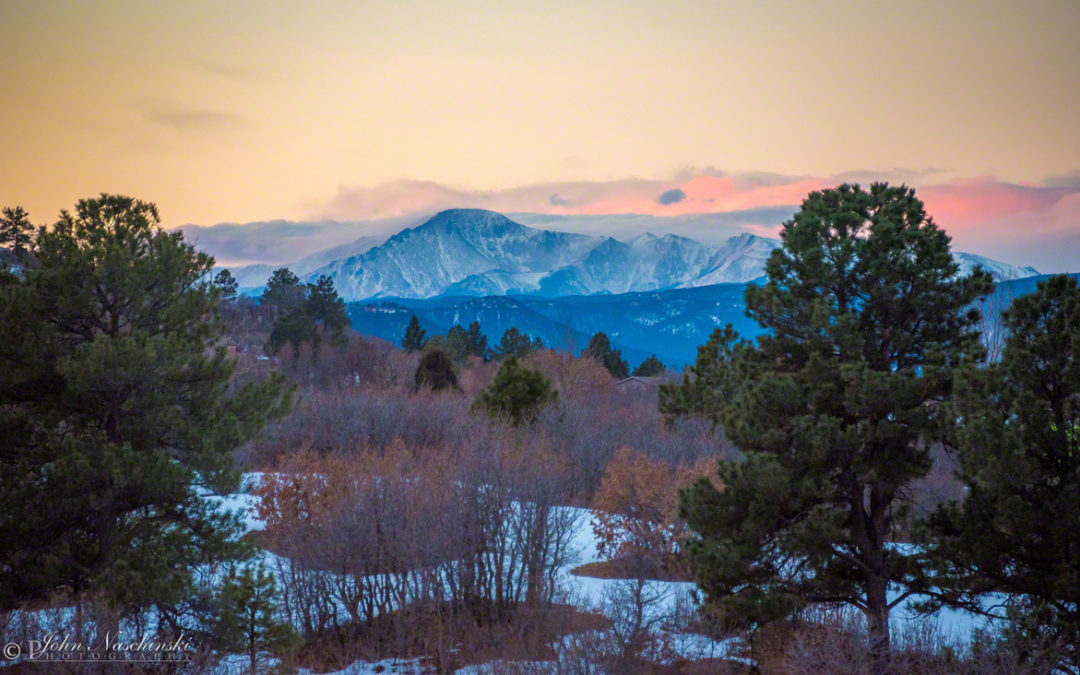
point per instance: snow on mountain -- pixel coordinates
(1001, 271)
(452, 246)
(472, 252)
(645, 263)
(738, 260)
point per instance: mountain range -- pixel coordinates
(478, 253)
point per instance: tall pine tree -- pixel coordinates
(115, 403)
(326, 311)
(600, 349)
(415, 336)
(833, 409)
(1017, 435)
(516, 344)
(16, 230)
(227, 283)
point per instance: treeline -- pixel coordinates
(460, 343)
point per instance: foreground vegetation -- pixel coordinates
(425, 502)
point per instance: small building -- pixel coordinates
(636, 384)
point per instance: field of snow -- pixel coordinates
(664, 601)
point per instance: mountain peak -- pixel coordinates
(481, 252)
(469, 218)
(467, 213)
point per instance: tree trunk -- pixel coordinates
(877, 619)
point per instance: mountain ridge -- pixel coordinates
(479, 253)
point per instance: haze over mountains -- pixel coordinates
(473, 252)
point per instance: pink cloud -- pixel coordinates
(981, 214)
(969, 202)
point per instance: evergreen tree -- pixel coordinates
(319, 315)
(435, 371)
(516, 344)
(1017, 434)
(115, 402)
(248, 621)
(283, 291)
(326, 311)
(833, 409)
(650, 367)
(456, 344)
(294, 327)
(476, 342)
(16, 230)
(710, 384)
(599, 348)
(414, 336)
(518, 394)
(227, 283)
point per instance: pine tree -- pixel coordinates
(518, 394)
(320, 314)
(710, 384)
(599, 348)
(227, 283)
(249, 621)
(516, 344)
(650, 367)
(115, 403)
(326, 311)
(1017, 434)
(283, 291)
(414, 336)
(16, 230)
(833, 409)
(476, 342)
(294, 327)
(456, 344)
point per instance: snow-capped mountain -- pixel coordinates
(472, 252)
(738, 260)
(479, 252)
(1001, 271)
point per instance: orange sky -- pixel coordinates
(257, 110)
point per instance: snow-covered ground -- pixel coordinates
(663, 602)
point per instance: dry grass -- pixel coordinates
(449, 638)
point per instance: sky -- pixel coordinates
(347, 110)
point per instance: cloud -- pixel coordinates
(230, 71)
(983, 215)
(283, 241)
(186, 119)
(670, 197)
(966, 203)
(1069, 180)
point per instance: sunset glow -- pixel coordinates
(255, 111)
